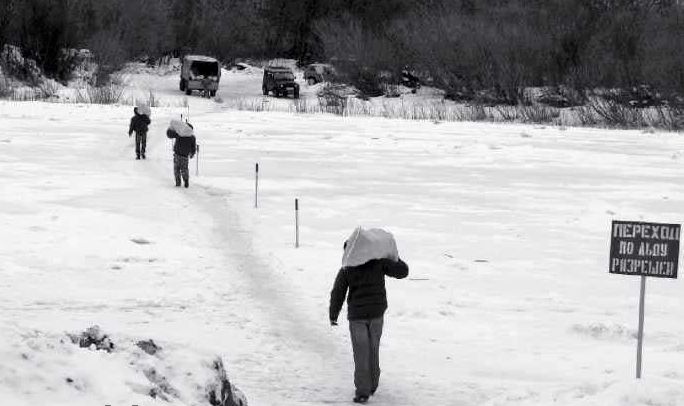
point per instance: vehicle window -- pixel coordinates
(284, 76)
(199, 68)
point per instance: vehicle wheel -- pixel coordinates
(182, 85)
(311, 81)
(188, 91)
(264, 90)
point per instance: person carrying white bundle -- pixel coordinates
(369, 256)
(184, 149)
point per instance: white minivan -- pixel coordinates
(200, 73)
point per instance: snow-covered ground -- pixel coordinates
(505, 229)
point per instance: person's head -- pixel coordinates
(135, 111)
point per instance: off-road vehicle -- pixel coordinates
(200, 73)
(280, 81)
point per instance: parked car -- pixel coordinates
(280, 81)
(201, 73)
(318, 72)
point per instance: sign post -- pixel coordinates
(644, 249)
(640, 337)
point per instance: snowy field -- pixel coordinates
(504, 227)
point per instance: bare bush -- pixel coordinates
(561, 96)
(538, 114)
(669, 118)
(5, 86)
(586, 116)
(301, 106)
(151, 100)
(49, 88)
(332, 99)
(615, 114)
(107, 94)
(507, 113)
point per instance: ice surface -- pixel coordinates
(505, 229)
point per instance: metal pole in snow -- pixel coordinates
(296, 223)
(197, 161)
(640, 342)
(256, 186)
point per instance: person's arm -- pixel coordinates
(130, 127)
(147, 120)
(337, 295)
(396, 269)
(171, 134)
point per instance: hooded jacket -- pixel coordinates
(367, 298)
(139, 123)
(369, 256)
(185, 144)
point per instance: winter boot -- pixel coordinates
(360, 399)
(187, 184)
(137, 157)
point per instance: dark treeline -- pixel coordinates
(464, 46)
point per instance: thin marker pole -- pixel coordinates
(256, 186)
(296, 223)
(197, 161)
(640, 342)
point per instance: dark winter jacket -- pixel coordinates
(139, 124)
(184, 146)
(367, 297)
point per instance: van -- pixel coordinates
(200, 73)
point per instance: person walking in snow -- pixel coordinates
(139, 123)
(369, 256)
(184, 149)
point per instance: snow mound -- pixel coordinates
(42, 368)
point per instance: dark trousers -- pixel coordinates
(180, 168)
(365, 338)
(140, 143)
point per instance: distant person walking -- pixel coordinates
(369, 256)
(184, 149)
(139, 123)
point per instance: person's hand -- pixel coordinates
(333, 322)
(129, 135)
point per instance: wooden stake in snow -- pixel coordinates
(256, 186)
(197, 162)
(296, 223)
